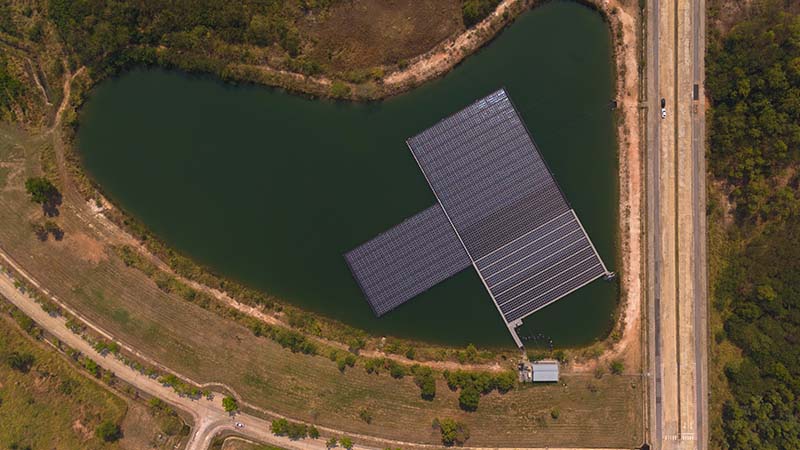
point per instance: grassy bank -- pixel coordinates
(85, 273)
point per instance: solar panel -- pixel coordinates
(499, 209)
(407, 260)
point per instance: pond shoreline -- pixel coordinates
(158, 251)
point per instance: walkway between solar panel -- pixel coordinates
(499, 210)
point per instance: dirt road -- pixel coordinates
(676, 221)
(209, 416)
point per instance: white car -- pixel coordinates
(239, 425)
(663, 108)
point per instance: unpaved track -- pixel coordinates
(209, 416)
(676, 226)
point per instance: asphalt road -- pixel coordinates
(677, 281)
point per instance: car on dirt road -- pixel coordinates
(239, 425)
(663, 108)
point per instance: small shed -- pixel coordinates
(545, 371)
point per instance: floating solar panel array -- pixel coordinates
(499, 209)
(407, 260)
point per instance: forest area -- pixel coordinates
(753, 81)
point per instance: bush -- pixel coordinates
(346, 442)
(41, 190)
(469, 398)
(423, 378)
(339, 89)
(617, 367)
(108, 431)
(294, 430)
(365, 415)
(230, 404)
(473, 11)
(555, 413)
(331, 443)
(21, 362)
(506, 381)
(453, 433)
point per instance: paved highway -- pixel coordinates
(677, 291)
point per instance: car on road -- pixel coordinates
(239, 425)
(663, 108)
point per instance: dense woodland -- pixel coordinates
(754, 142)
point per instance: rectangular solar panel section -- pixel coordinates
(407, 260)
(487, 174)
(498, 193)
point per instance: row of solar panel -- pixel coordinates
(407, 260)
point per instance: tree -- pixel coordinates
(346, 442)
(506, 381)
(108, 431)
(45, 193)
(21, 362)
(331, 443)
(40, 189)
(313, 432)
(230, 404)
(53, 228)
(452, 432)
(423, 378)
(280, 427)
(469, 398)
(617, 367)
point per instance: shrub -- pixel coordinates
(365, 415)
(313, 432)
(423, 378)
(21, 362)
(473, 11)
(108, 431)
(40, 189)
(346, 442)
(506, 381)
(617, 367)
(469, 398)
(453, 433)
(331, 443)
(555, 413)
(230, 404)
(339, 89)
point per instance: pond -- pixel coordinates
(270, 188)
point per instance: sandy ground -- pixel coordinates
(629, 346)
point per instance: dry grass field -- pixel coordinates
(379, 33)
(84, 273)
(26, 400)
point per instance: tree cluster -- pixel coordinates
(475, 384)
(294, 430)
(754, 141)
(754, 83)
(191, 34)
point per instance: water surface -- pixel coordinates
(271, 188)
